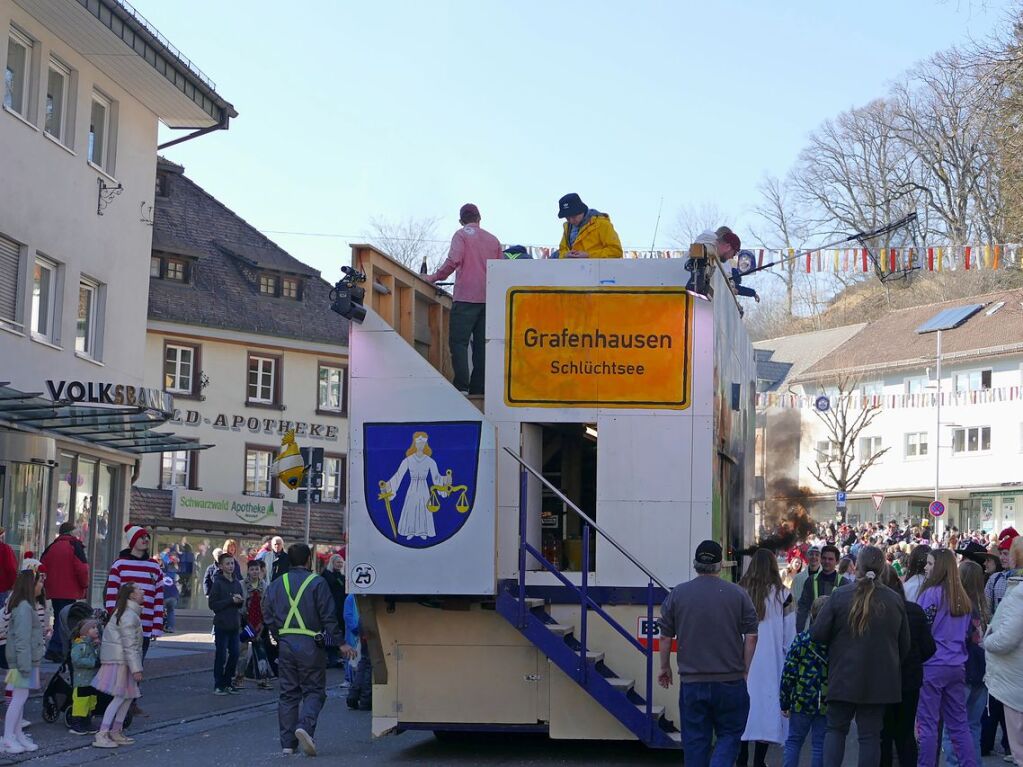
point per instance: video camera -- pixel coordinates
(347, 295)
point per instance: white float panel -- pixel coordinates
(413, 548)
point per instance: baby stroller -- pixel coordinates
(58, 692)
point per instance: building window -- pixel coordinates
(869, 447)
(289, 288)
(175, 269)
(916, 385)
(179, 368)
(99, 132)
(268, 284)
(176, 469)
(58, 87)
(10, 269)
(828, 451)
(916, 444)
(44, 303)
(974, 439)
(155, 263)
(258, 480)
(16, 75)
(85, 335)
(972, 380)
(264, 380)
(873, 389)
(162, 184)
(333, 479)
(332, 389)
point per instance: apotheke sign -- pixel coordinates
(236, 422)
(101, 393)
(217, 507)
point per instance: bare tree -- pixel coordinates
(784, 223)
(838, 467)
(409, 241)
(692, 219)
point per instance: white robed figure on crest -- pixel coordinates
(416, 519)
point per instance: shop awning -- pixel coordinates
(129, 429)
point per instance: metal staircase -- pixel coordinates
(569, 650)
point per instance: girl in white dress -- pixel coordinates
(416, 519)
(777, 628)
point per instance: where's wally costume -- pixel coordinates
(144, 571)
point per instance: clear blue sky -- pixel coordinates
(350, 110)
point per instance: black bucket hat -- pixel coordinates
(571, 205)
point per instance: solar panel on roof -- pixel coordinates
(947, 319)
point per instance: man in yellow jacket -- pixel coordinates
(588, 233)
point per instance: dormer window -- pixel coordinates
(170, 268)
(268, 284)
(162, 184)
(291, 288)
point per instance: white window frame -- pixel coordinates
(62, 135)
(333, 478)
(257, 471)
(264, 366)
(175, 468)
(51, 334)
(922, 439)
(87, 345)
(103, 163)
(912, 381)
(833, 452)
(957, 378)
(321, 384)
(176, 377)
(965, 431)
(870, 446)
(17, 37)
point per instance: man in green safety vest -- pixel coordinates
(299, 610)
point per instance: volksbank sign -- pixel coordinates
(217, 507)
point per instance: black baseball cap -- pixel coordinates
(571, 205)
(708, 553)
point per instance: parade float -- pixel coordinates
(510, 554)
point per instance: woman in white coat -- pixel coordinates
(1003, 651)
(776, 611)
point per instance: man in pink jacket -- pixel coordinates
(471, 248)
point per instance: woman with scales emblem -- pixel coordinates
(416, 519)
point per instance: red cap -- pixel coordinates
(1006, 537)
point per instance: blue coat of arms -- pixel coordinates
(420, 478)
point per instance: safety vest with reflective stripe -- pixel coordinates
(293, 611)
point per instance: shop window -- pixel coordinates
(916, 444)
(10, 269)
(333, 479)
(45, 300)
(181, 369)
(258, 478)
(177, 469)
(264, 381)
(58, 100)
(27, 494)
(975, 439)
(331, 392)
(17, 73)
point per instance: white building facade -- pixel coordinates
(970, 454)
(85, 87)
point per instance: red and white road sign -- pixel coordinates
(878, 499)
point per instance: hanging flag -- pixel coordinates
(966, 257)
(998, 256)
(930, 259)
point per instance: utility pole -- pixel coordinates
(937, 430)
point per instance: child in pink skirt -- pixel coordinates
(120, 670)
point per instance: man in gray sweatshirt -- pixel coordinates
(299, 610)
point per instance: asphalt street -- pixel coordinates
(185, 724)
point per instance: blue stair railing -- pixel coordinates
(586, 602)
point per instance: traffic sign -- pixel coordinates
(937, 508)
(840, 497)
(822, 403)
(878, 499)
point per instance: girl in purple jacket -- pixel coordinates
(943, 695)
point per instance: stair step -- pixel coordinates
(656, 712)
(533, 602)
(595, 657)
(560, 629)
(622, 685)
(675, 736)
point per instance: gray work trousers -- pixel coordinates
(302, 672)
